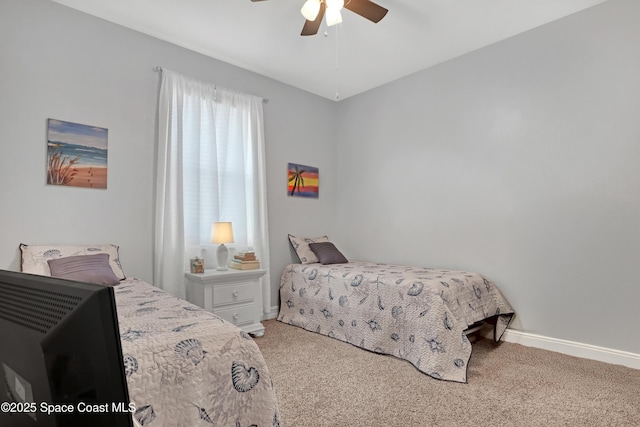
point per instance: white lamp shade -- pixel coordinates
(310, 9)
(333, 17)
(335, 4)
(221, 233)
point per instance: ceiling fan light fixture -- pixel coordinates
(335, 4)
(310, 9)
(333, 17)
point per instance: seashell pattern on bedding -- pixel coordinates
(186, 366)
(413, 313)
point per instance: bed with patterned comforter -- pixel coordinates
(188, 367)
(416, 314)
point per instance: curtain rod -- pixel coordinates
(159, 69)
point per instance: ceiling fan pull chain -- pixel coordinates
(337, 65)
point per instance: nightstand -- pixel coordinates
(234, 295)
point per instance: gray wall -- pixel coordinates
(63, 64)
(519, 161)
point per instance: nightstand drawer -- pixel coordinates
(237, 315)
(234, 294)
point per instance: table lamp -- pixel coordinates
(221, 233)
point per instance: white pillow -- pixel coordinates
(34, 258)
(301, 246)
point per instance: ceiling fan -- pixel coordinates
(315, 10)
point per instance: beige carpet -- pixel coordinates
(321, 381)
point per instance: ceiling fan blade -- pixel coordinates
(366, 9)
(257, 0)
(311, 27)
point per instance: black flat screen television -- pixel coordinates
(60, 354)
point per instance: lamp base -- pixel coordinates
(222, 255)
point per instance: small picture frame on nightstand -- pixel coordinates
(197, 265)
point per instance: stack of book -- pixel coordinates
(245, 261)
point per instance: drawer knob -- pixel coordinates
(236, 316)
(236, 294)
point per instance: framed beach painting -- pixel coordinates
(76, 154)
(302, 181)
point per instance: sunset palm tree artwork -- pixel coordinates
(302, 181)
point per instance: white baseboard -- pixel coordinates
(272, 314)
(572, 348)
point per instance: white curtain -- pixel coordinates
(211, 167)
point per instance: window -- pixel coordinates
(210, 168)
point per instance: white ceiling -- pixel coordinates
(347, 59)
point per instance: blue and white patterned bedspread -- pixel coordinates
(188, 367)
(416, 314)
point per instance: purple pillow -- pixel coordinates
(327, 253)
(93, 269)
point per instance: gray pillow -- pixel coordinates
(84, 268)
(33, 258)
(327, 253)
(301, 246)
